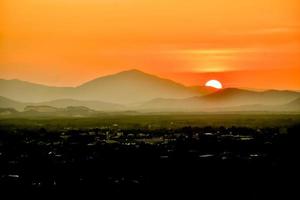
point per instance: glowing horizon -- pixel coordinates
(247, 44)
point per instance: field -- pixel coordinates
(155, 121)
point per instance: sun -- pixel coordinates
(214, 83)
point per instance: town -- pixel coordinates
(110, 158)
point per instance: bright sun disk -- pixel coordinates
(214, 83)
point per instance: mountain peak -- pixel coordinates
(133, 71)
(133, 86)
(132, 74)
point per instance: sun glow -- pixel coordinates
(214, 83)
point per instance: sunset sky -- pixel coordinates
(242, 43)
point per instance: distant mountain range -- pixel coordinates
(71, 111)
(229, 99)
(122, 88)
(61, 103)
(138, 91)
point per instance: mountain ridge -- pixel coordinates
(226, 98)
(136, 90)
(121, 88)
(61, 103)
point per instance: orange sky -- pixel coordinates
(249, 43)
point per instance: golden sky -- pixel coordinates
(243, 43)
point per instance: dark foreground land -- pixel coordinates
(210, 156)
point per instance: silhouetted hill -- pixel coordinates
(122, 88)
(74, 111)
(8, 103)
(230, 99)
(193, 104)
(7, 111)
(203, 90)
(136, 90)
(78, 111)
(60, 103)
(235, 97)
(41, 109)
(133, 86)
(95, 105)
(293, 105)
(30, 92)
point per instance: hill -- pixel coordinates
(121, 88)
(41, 109)
(133, 86)
(203, 90)
(95, 105)
(230, 99)
(30, 92)
(293, 105)
(8, 111)
(236, 97)
(74, 111)
(60, 103)
(8, 103)
(139, 91)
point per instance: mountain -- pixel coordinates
(172, 105)
(236, 97)
(30, 92)
(95, 105)
(121, 88)
(71, 111)
(60, 103)
(8, 111)
(203, 90)
(8, 103)
(293, 105)
(41, 109)
(136, 90)
(133, 86)
(230, 99)
(222, 101)
(51, 109)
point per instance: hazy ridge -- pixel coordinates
(121, 88)
(137, 91)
